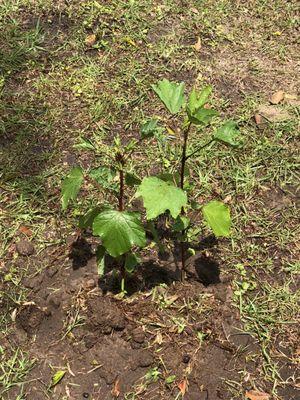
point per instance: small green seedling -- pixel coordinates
(120, 230)
(159, 194)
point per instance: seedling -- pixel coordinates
(120, 230)
(164, 194)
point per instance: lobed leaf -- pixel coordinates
(105, 177)
(203, 116)
(217, 216)
(171, 94)
(100, 257)
(119, 231)
(71, 186)
(228, 134)
(149, 128)
(160, 196)
(131, 261)
(198, 99)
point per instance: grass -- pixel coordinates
(55, 90)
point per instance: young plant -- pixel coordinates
(160, 195)
(120, 230)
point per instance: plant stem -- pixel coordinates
(183, 161)
(199, 149)
(121, 190)
(183, 155)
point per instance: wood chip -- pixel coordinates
(198, 45)
(90, 40)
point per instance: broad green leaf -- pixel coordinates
(131, 261)
(171, 178)
(100, 257)
(105, 177)
(131, 179)
(217, 216)
(198, 99)
(202, 116)
(171, 94)
(181, 223)
(71, 186)
(85, 144)
(228, 134)
(160, 196)
(57, 377)
(86, 220)
(119, 231)
(149, 128)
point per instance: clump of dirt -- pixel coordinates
(30, 318)
(104, 316)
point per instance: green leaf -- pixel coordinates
(171, 94)
(119, 231)
(57, 377)
(86, 220)
(170, 379)
(105, 177)
(131, 261)
(71, 186)
(181, 223)
(100, 257)
(160, 196)
(149, 128)
(132, 180)
(198, 99)
(217, 216)
(228, 134)
(85, 144)
(202, 116)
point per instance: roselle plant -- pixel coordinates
(120, 230)
(169, 195)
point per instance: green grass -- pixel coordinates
(55, 90)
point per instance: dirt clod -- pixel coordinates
(25, 248)
(104, 315)
(138, 335)
(30, 317)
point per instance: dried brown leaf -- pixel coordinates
(257, 395)
(277, 97)
(273, 113)
(182, 386)
(25, 230)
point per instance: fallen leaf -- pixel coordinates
(182, 386)
(116, 389)
(258, 119)
(277, 97)
(291, 99)
(57, 377)
(90, 40)
(198, 45)
(273, 113)
(194, 10)
(257, 395)
(25, 230)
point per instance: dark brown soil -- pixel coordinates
(108, 345)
